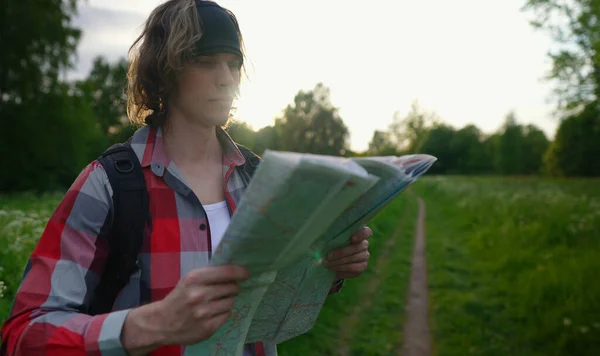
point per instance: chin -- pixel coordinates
(220, 120)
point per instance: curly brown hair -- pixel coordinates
(163, 48)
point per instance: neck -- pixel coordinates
(190, 143)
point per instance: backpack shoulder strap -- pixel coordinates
(131, 213)
(252, 159)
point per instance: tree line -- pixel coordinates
(52, 127)
(515, 149)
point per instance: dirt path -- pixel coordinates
(416, 327)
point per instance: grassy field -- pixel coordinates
(513, 265)
(513, 269)
(22, 220)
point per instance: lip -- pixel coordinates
(221, 100)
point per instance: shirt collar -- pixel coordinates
(148, 144)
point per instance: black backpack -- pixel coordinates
(131, 213)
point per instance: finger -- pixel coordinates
(347, 275)
(216, 275)
(358, 267)
(348, 251)
(214, 323)
(206, 294)
(214, 308)
(362, 256)
(361, 235)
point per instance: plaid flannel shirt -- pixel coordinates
(66, 265)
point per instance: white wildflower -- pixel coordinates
(14, 224)
(2, 289)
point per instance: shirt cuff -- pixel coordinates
(109, 341)
(336, 287)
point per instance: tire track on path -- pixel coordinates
(417, 340)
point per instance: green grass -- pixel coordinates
(513, 265)
(22, 220)
(380, 326)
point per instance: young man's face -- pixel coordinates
(207, 87)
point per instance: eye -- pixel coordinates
(235, 65)
(204, 62)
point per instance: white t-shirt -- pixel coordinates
(218, 220)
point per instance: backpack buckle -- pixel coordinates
(121, 169)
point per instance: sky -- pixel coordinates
(469, 61)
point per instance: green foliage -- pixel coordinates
(512, 264)
(242, 132)
(267, 138)
(438, 144)
(381, 144)
(38, 43)
(46, 149)
(535, 146)
(468, 153)
(312, 124)
(575, 27)
(49, 130)
(515, 149)
(105, 90)
(22, 221)
(410, 133)
(520, 149)
(576, 148)
(510, 147)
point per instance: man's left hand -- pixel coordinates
(351, 261)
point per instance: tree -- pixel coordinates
(458, 151)
(52, 125)
(105, 89)
(519, 149)
(312, 124)
(381, 144)
(575, 26)
(510, 148)
(467, 147)
(438, 143)
(47, 150)
(490, 147)
(242, 133)
(38, 43)
(409, 133)
(268, 137)
(575, 149)
(535, 146)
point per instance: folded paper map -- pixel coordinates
(297, 208)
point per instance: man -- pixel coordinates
(184, 75)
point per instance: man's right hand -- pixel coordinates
(199, 305)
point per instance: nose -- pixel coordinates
(226, 76)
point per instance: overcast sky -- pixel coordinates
(470, 61)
